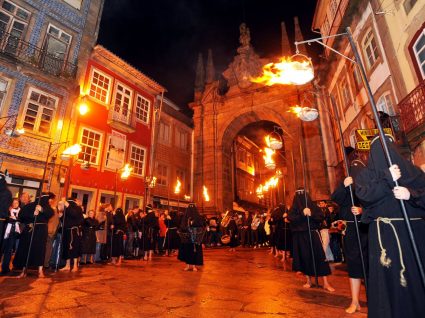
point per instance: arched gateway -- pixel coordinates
(221, 114)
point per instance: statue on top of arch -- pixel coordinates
(246, 64)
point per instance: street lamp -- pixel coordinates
(12, 131)
(125, 173)
(150, 183)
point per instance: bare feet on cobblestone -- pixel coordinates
(329, 288)
(74, 269)
(195, 269)
(23, 274)
(66, 268)
(186, 268)
(307, 285)
(41, 275)
(352, 309)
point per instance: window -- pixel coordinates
(142, 109)
(13, 21)
(164, 133)
(345, 93)
(100, 86)
(408, 5)
(122, 103)
(181, 139)
(385, 104)
(162, 174)
(115, 153)
(56, 47)
(370, 49)
(241, 155)
(39, 111)
(137, 159)
(3, 91)
(357, 78)
(75, 3)
(90, 142)
(419, 51)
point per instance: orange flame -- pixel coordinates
(259, 191)
(205, 193)
(287, 71)
(271, 183)
(268, 157)
(177, 188)
(295, 110)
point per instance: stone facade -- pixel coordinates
(44, 50)
(221, 111)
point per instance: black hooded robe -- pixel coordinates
(342, 197)
(191, 253)
(5, 203)
(72, 238)
(394, 290)
(302, 257)
(90, 226)
(120, 226)
(38, 247)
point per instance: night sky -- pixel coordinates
(163, 38)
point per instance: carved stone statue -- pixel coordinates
(245, 37)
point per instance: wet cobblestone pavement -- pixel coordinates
(248, 283)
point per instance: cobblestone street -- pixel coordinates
(248, 283)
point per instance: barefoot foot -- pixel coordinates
(352, 309)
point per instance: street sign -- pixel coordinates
(364, 137)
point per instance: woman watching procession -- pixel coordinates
(90, 226)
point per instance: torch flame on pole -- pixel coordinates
(295, 110)
(206, 196)
(268, 158)
(126, 171)
(177, 188)
(288, 71)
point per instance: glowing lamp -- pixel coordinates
(206, 195)
(13, 132)
(308, 114)
(177, 188)
(274, 141)
(71, 151)
(126, 171)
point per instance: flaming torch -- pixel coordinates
(296, 69)
(177, 188)
(205, 193)
(126, 171)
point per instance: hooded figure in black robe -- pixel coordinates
(5, 203)
(283, 233)
(150, 227)
(120, 225)
(190, 251)
(38, 247)
(395, 288)
(302, 257)
(72, 238)
(342, 197)
(172, 240)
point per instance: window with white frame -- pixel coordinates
(122, 103)
(115, 150)
(57, 42)
(181, 139)
(353, 140)
(3, 90)
(39, 111)
(162, 174)
(419, 51)
(370, 49)
(137, 159)
(345, 93)
(13, 20)
(100, 86)
(75, 3)
(90, 142)
(142, 109)
(385, 104)
(164, 133)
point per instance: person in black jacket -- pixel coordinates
(5, 202)
(303, 207)
(150, 228)
(88, 249)
(119, 227)
(172, 240)
(72, 220)
(35, 217)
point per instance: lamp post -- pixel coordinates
(125, 173)
(150, 182)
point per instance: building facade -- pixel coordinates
(44, 49)
(173, 158)
(116, 130)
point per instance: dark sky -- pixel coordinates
(162, 38)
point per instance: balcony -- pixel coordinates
(412, 113)
(24, 52)
(123, 120)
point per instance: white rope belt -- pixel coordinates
(72, 235)
(384, 259)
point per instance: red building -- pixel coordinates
(116, 130)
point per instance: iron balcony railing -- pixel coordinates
(412, 108)
(122, 119)
(27, 53)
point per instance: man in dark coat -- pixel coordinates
(5, 202)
